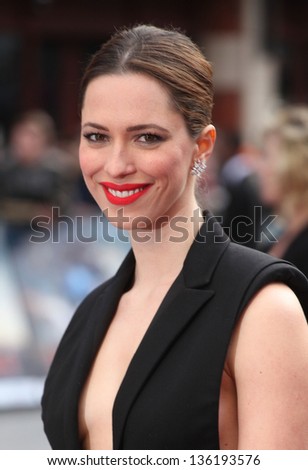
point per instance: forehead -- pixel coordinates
(131, 92)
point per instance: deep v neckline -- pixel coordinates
(165, 325)
(100, 338)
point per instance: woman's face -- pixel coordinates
(135, 151)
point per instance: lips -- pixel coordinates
(123, 194)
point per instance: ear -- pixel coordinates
(205, 142)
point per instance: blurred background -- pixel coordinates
(259, 52)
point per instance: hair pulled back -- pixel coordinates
(168, 56)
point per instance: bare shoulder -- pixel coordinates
(268, 359)
(275, 301)
(272, 326)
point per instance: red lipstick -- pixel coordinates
(124, 194)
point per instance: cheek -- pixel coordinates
(87, 163)
(173, 164)
(167, 173)
(88, 170)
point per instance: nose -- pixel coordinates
(119, 162)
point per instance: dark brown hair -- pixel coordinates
(167, 55)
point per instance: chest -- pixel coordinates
(125, 333)
(179, 402)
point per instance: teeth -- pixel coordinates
(123, 194)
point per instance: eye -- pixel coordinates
(95, 137)
(149, 138)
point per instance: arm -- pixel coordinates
(268, 357)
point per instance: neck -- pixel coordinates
(160, 253)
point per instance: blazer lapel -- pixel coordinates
(186, 297)
(99, 320)
(109, 299)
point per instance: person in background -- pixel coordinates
(33, 175)
(283, 182)
(241, 210)
(195, 342)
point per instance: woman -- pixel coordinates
(283, 176)
(183, 348)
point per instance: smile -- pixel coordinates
(125, 193)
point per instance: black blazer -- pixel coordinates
(170, 394)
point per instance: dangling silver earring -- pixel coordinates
(198, 168)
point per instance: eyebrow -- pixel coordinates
(138, 127)
(141, 127)
(93, 124)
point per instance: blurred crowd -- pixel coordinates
(47, 266)
(35, 174)
(262, 192)
(259, 193)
